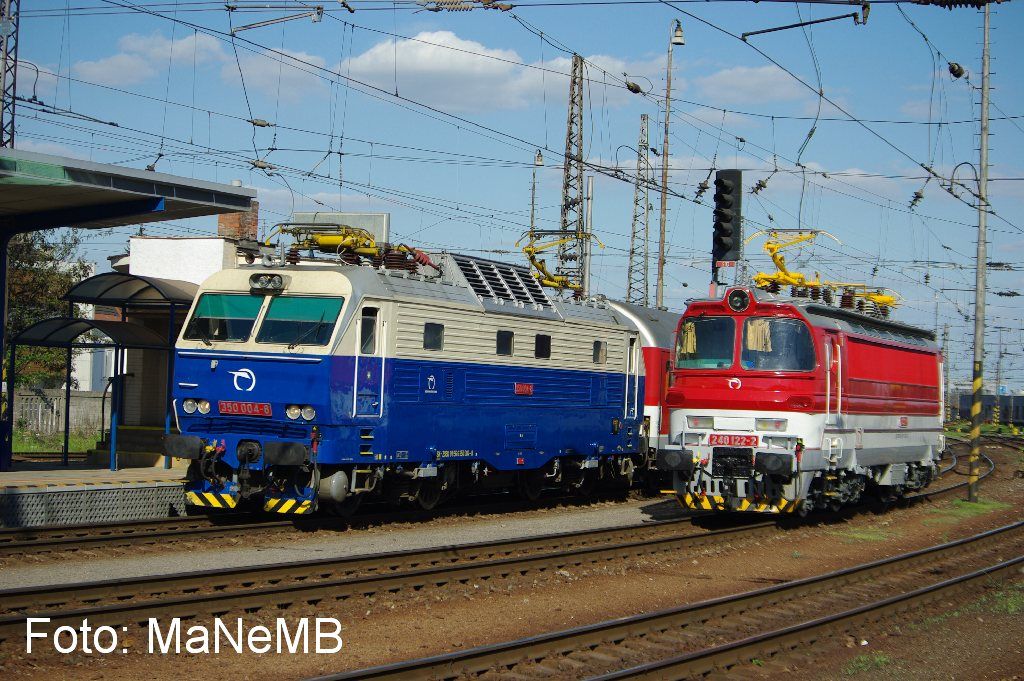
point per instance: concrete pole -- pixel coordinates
(979, 282)
(587, 245)
(659, 298)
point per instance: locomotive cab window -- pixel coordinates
(777, 344)
(504, 343)
(368, 331)
(433, 336)
(300, 320)
(542, 346)
(600, 352)
(223, 317)
(705, 343)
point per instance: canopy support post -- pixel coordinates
(67, 398)
(6, 406)
(170, 376)
(115, 406)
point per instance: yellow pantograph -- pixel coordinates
(849, 292)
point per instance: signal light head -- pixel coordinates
(738, 300)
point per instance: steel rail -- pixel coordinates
(505, 656)
(767, 645)
(284, 585)
(71, 538)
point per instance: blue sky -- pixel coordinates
(451, 156)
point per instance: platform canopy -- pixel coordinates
(64, 332)
(120, 289)
(40, 191)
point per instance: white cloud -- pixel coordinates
(40, 82)
(275, 74)
(750, 85)
(143, 56)
(118, 69)
(458, 75)
(42, 147)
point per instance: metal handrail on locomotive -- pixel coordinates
(304, 382)
(787, 404)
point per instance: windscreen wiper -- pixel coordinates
(311, 331)
(197, 328)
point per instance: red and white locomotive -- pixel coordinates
(786, 404)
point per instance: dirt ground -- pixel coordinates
(975, 638)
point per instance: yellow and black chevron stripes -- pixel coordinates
(211, 499)
(707, 502)
(275, 505)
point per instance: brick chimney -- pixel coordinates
(239, 225)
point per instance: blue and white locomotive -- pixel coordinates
(308, 384)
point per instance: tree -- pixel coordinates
(42, 266)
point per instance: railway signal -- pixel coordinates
(728, 237)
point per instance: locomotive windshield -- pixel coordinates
(300, 321)
(776, 344)
(223, 317)
(705, 343)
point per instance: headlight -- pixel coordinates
(293, 411)
(700, 421)
(771, 425)
(691, 439)
(204, 406)
(276, 281)
(189, 405)
(263, 281)
(308, 413)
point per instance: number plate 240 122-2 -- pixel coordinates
(723, 440)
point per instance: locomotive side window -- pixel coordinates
(600, 352)
(777, 344)
(705, 343)
(504, 343)
(299, 320)
(542, 346)
(433, 336)
(368, 331)
(223, 317)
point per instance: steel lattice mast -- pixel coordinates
(8, 69)
(639, 242)
(571, 253)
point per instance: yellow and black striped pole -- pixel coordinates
(976, 421)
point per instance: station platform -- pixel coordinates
(45, 493)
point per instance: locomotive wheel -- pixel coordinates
(428, 496)
(530, 484)
(343, 509)
(584, 487)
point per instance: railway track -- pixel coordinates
(65, 539)
(282, 586)
(75, 538)
(670, 643)
(72, 539)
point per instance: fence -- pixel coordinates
(42, 411)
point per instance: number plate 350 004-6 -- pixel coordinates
(230, 408)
